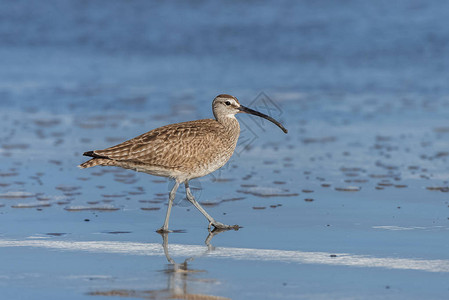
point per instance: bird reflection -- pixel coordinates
(179, 275)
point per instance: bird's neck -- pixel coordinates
(230, 123)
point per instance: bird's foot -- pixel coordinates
(220, 226)
(163, 230)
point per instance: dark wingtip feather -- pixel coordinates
(89, 153)
(93, 154)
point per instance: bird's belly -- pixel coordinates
(193, 169)
(207, 168)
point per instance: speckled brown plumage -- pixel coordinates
(192, 149)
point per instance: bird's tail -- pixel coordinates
(96, 162)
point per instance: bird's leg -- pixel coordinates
(171, 197)
(197, 205)
(211, 220)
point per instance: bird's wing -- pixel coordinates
(169, 146)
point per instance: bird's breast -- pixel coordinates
(214, 156)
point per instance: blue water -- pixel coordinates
(361, 86)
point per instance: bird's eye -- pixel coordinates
(228, 103)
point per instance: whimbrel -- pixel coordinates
(182, 151)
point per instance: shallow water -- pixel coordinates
(351, 203)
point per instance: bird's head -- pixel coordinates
(227, 106)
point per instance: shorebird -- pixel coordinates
(182, 151)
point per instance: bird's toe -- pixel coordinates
(163, 230)
(221, 226)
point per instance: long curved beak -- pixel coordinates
(259, 114)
